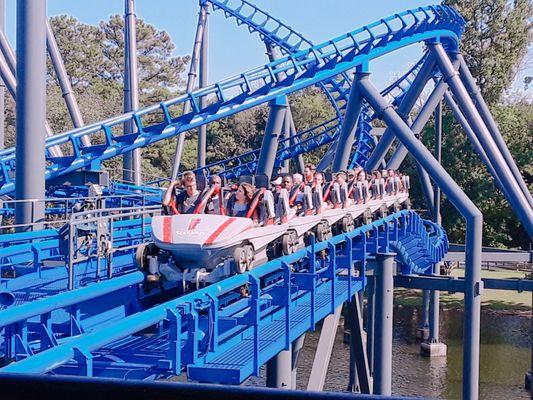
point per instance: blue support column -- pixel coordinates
(299, 161)
(132, 160)
(433, 347)
(346, 139)
(273, 131)
(30, 110)
(515, 196)
(370, 318)
(202, 80)
(383, 324)
(289, 129)
(404, 109)
(478, 148)
(472, 88)
(191, 80)
(474, 229)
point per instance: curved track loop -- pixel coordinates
(272, 30)
(236, 94)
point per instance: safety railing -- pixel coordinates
(58, 210)
(201, 327)
(90, 237)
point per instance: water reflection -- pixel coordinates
(505, 357)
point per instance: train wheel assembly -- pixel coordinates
(243, 258)
(347, 223)
(323, 231)
(289, 243)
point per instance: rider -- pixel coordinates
(186, 201)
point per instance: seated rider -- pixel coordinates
(243, 199)
(213, 206)
(186, 201)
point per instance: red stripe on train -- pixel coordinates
(219, 230)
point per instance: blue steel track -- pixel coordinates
(109, 326)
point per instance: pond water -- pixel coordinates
(505, 358)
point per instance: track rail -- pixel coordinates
(247, 90)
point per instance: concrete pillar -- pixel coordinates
(31, 110)
(297, 347)
(279, 370)
(383, 324)
(422, 332)
(370, 313)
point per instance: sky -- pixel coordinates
(232, 50)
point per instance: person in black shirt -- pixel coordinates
(186, 201)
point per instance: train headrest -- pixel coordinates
(201, 182)
(246, 179)
(328, 176)
(261, 181)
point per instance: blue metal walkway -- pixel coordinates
(222, 334)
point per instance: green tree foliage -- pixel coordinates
(495, 41)
(501, 228)
(95, 68)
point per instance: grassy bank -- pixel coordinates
(501, 301)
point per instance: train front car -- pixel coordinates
(206, 248)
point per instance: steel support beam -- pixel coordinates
(64, 82)
(327, 158)
(191, 79)
(203, 81)
(457, 285)
(515, 195)
(383, 324)
(279, 370)
(8, 66)
(289, 128)
(299, 161)
(358, 355)
(30, 111)
(273, 131)
(404, 108)
(132, 160)
(319, 371)
(346, 139)
(483, 110)
(474, 229)
(434, 305)
(478, 148)
(285, 165)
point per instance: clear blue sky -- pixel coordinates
(233, 49)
